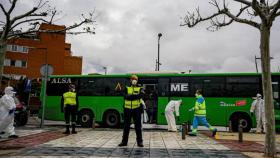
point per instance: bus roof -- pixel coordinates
(163, 75)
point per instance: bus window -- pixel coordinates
(163, 87)
(58, 86)
(243, 86)
(114, 86)
(91, 87)
(275, 90)
(211, 86)
(180, 86)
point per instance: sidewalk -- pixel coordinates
(103, 143)
(252, 145)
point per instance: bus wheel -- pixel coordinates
(86, 118)
(245, 120)
(111, 119)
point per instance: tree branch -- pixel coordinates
(244, 2)
(12, 7)
(26, 21)
(278, 14)
(255, 5)
(192, 19)
(273, 13)
(24, 15)
(240, 20)
(3, 9)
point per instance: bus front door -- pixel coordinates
(150, 99)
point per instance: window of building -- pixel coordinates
(14, 48)
(7, 62)
(13, 63)
(23, 64)
(17, 48)
(25, 49)
(18, 63)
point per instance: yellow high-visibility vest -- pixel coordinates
(132, 104)
(69, 98)
(200, 106)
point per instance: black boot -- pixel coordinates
(140, 144)
(73, 129)
(67, 131)
(13, 136)
(123, 144)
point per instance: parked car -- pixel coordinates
(21, 113)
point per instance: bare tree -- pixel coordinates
(259, 14)
(42, 12)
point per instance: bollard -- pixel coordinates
(189, 126)
(230, 126)
(93, 123)
(240, 132)
(186, 128)
(183, 131)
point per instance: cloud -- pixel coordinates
(126, 38)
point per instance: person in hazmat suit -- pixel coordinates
(200, 114)
(257, 107)
(7, 112)
(133, 110)
(172, 106)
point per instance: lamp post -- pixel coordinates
(158, 62)
(256, 63)
(105, 69)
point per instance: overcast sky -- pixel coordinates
(126, 37)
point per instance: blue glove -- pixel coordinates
(12, 111)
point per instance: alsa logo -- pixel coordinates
(179, 87)
(60, 80)
(237, 103)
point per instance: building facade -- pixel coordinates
(26, 55)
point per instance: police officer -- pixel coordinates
(70, 105)
(132, 109)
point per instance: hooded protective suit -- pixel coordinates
(7, 110)
(258, 108)
(169, 114)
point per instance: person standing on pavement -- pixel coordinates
(257, 107)
(70, 104)
(172, 106)
(7, 112)
(200, 114)
(132, 109)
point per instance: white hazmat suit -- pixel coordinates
(7, 110)
(169, 114)
(258, 108)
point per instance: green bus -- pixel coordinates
(228, 97)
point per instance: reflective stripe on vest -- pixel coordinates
(132, 104)
(69, 98)
(200, 108)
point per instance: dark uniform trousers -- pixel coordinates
(136, 115)
(70, 110)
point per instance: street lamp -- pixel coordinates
(158, 62)
(105, 69)
(256, 63)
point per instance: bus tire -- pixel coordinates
(111, 119)
(85, 118)
(245, 121)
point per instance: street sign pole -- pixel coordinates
(46, 70)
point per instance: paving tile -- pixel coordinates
(98, 143)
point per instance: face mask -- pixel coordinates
(134, 82)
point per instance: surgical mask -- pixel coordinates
(134, 82)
